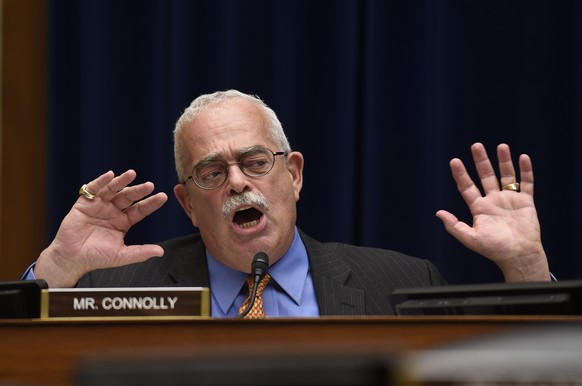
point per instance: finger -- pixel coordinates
(484, 168)
(138, 253)
(526, 175)
(98, 183)
(110, 190)
(144, 208)
(465, 184)
(506, 169)
(127, 196)
(447, 218)
(458, 229)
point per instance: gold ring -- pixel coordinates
(87, 194)
(513, 187)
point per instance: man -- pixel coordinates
(239, 184)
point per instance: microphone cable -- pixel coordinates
(259, 269)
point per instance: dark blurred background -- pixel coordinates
(378, 95)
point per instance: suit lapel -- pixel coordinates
(330, 277)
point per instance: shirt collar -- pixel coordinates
(290, 273)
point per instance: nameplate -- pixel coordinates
(125, 302)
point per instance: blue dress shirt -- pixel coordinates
(290, 291)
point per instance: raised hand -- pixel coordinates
(91, 236)
(505, 225)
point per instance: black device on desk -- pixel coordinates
(21, 299)
(535, 298)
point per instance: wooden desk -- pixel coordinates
(47, 352)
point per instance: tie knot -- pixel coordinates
(262, 284)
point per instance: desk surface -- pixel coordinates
(46, 352)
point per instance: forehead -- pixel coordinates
(224, 128)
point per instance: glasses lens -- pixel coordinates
(257, 163)
(210, 175)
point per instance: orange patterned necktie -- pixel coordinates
(258, 310)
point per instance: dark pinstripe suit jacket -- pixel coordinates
(348, 280)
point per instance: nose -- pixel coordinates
(237, 181)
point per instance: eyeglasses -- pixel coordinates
(256, 162)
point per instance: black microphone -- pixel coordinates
(259, 268)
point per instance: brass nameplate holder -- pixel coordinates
(125, 302)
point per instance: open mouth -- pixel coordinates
(247, 217)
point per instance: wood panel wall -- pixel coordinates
(22, 133)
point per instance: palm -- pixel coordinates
(97, 235)
(503, 223)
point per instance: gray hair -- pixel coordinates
(200, 104)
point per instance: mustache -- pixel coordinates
(243, 199)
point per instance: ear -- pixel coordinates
(183, 197)
(295, 166)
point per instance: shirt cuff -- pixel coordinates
(29, 273)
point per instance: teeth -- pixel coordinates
(249, 224)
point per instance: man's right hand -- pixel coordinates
(91, 236)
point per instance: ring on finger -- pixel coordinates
(513, 187)
(85, 193)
